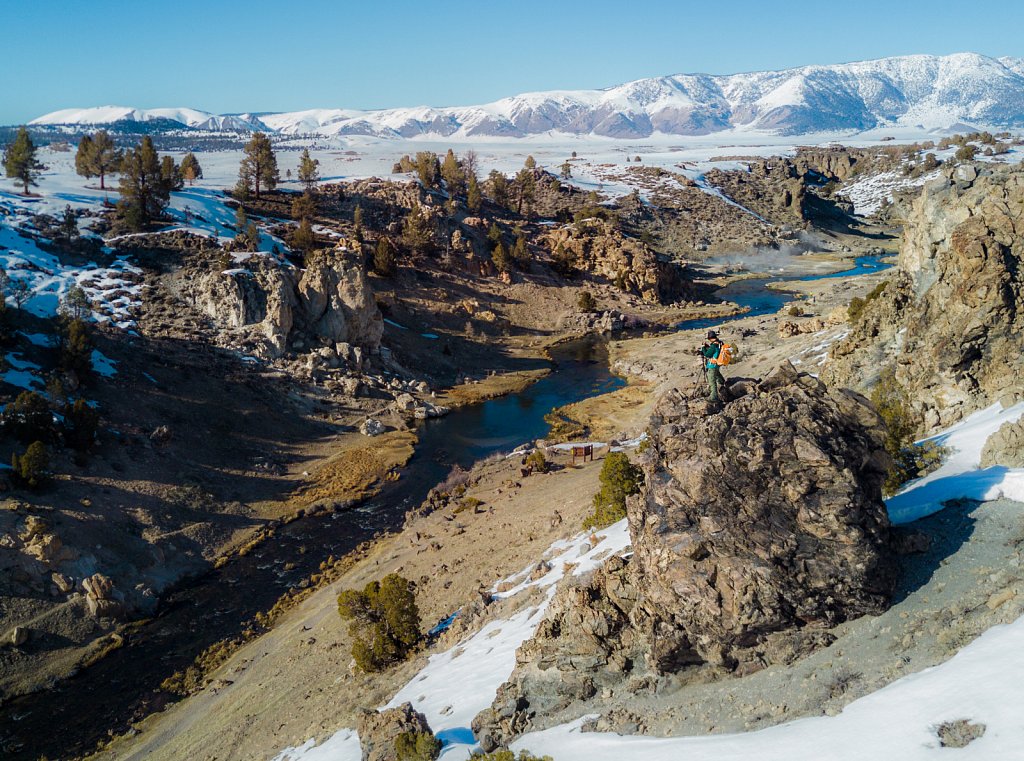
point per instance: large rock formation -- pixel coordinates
(597, 247)
(268, 303)
(951, 321)
(757, 529)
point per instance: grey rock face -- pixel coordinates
(331, 302)
(761, 518)
(951, 321)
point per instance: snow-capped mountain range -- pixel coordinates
(931, 92)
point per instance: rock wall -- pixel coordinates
(758, 527)
(951, 321)
(329, 302)
(598, 248)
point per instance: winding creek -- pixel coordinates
(125, 685)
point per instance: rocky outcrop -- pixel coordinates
(597, 247)
(379, 730)
(258, 298)
(951, 322)
(772, 188)
(763, 518)
(270, 304)
(758, 527)
(1005, 447)
(337, 301)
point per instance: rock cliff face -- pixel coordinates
(598, 248)
(951, 322)
(757, 528)
(330, 302)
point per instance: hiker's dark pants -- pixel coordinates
(715, 380)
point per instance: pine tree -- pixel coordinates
(76, 303)
(170, 175)
(20, 161)
(501, 258)
(530, 163)
(247, 234)
(566, 171)
(520, 253)
(76, 349)
(526, 186)
(190, 169)
(83, 157)
(416, 232)
(144, 196)
(105, 157)
(357, 224)
(499, 188)
(302, 237)
(384, 260)
(473, 198)
(309, 170)
(258, 170)
(452, 175)
(304, 206)
(428, 168)
(68, 224)
(32, 467)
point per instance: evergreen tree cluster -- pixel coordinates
(383, 620)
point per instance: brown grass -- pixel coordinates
(491, 387)
(357, 470)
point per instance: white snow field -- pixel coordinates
(983, 683)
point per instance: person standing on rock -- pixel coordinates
(711, 351)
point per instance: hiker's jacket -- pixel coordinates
(710, 353)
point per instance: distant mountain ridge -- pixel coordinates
(932, 92)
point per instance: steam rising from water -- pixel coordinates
(768, 259)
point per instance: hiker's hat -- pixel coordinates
(712, 334)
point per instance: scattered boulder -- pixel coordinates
(18, 636)
(371, 427)
(102, 599)
(378, 730)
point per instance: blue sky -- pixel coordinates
(226, 56)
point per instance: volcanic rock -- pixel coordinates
(757, 528)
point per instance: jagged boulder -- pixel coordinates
(764, 517)
(257, 298)
(378, 730)
(1005, 447)
(757, 528)
(951, 321)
